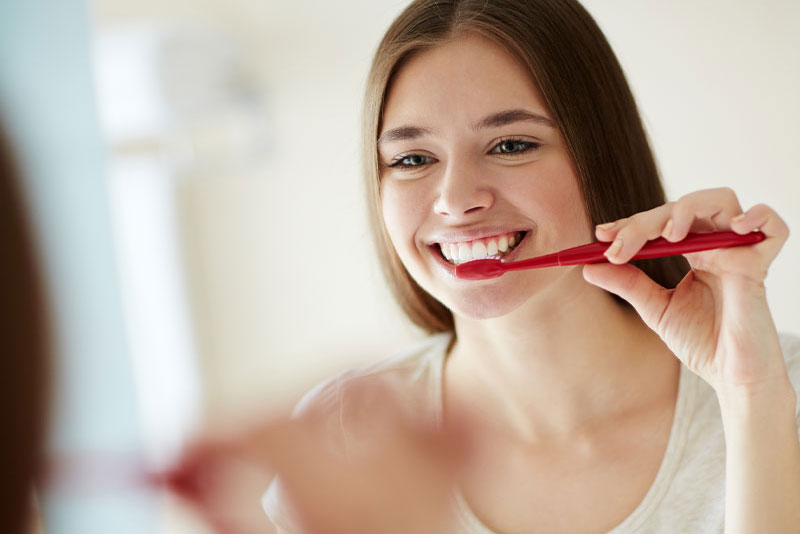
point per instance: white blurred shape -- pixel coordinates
(129, 94)
(167, 84)
(174, 98)
(154, 304)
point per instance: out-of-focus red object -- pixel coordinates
(400, 480)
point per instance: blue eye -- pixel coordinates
(411, 160)
(513, 146)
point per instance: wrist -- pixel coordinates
(773, 396)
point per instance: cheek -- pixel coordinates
(565, 200)
(552, 193)
(573, 211)
(402, 214)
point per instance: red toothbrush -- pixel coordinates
(593, 253)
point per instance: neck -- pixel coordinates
(568, 357)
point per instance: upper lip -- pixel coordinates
(471, 234)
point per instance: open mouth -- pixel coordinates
(494, 247)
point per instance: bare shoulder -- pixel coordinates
(351, 403)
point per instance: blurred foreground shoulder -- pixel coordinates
(411, 376)
(354, 405)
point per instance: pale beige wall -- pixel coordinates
(284, 285)
(285, 288)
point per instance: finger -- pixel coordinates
(647, 297)
(607, 231)
(762, 217)
(702, 210)
(632, 233)
(718, 206)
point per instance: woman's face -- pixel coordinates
(471, 165)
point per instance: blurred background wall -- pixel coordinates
(232, 130)
(266, 177)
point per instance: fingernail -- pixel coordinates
(614, 249)
(667, 230)
(607, 226)
(738, 218)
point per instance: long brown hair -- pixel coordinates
(24, 355)
(584, 89)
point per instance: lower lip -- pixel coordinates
(451, 269)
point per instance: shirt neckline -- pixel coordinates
(684, 405)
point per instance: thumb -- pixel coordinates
(647, 297)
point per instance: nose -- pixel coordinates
(462, 192)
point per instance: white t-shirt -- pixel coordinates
(687, 494)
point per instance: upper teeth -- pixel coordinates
(496, 246)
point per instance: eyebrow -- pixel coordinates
(495, 120)
(510, 116)
(403, 133)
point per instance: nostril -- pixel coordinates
(473, 210)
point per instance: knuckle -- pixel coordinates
(632, 233)
(657, 212)
(680, 207)
(618, 225)
(762, 208)
(783, 228)
(626, 234)
(639, 217)
(727, 191)
(730, 199)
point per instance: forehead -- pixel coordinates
(458, 82)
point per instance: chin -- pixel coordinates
(485, 304)
(512, 292)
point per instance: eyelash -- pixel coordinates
(397, 163)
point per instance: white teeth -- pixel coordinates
(481, 248)
(446, 252)
(478, 250)
(464, 252)
(502, 244)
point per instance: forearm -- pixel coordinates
(762, 482)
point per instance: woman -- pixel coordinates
(507, 129)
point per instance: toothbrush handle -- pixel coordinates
(660, 247)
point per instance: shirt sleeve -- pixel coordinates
(790, 345)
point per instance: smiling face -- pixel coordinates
(472, 166)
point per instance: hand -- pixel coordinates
(399, 480)
(716, 321)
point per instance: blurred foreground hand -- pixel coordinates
(396, 478)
